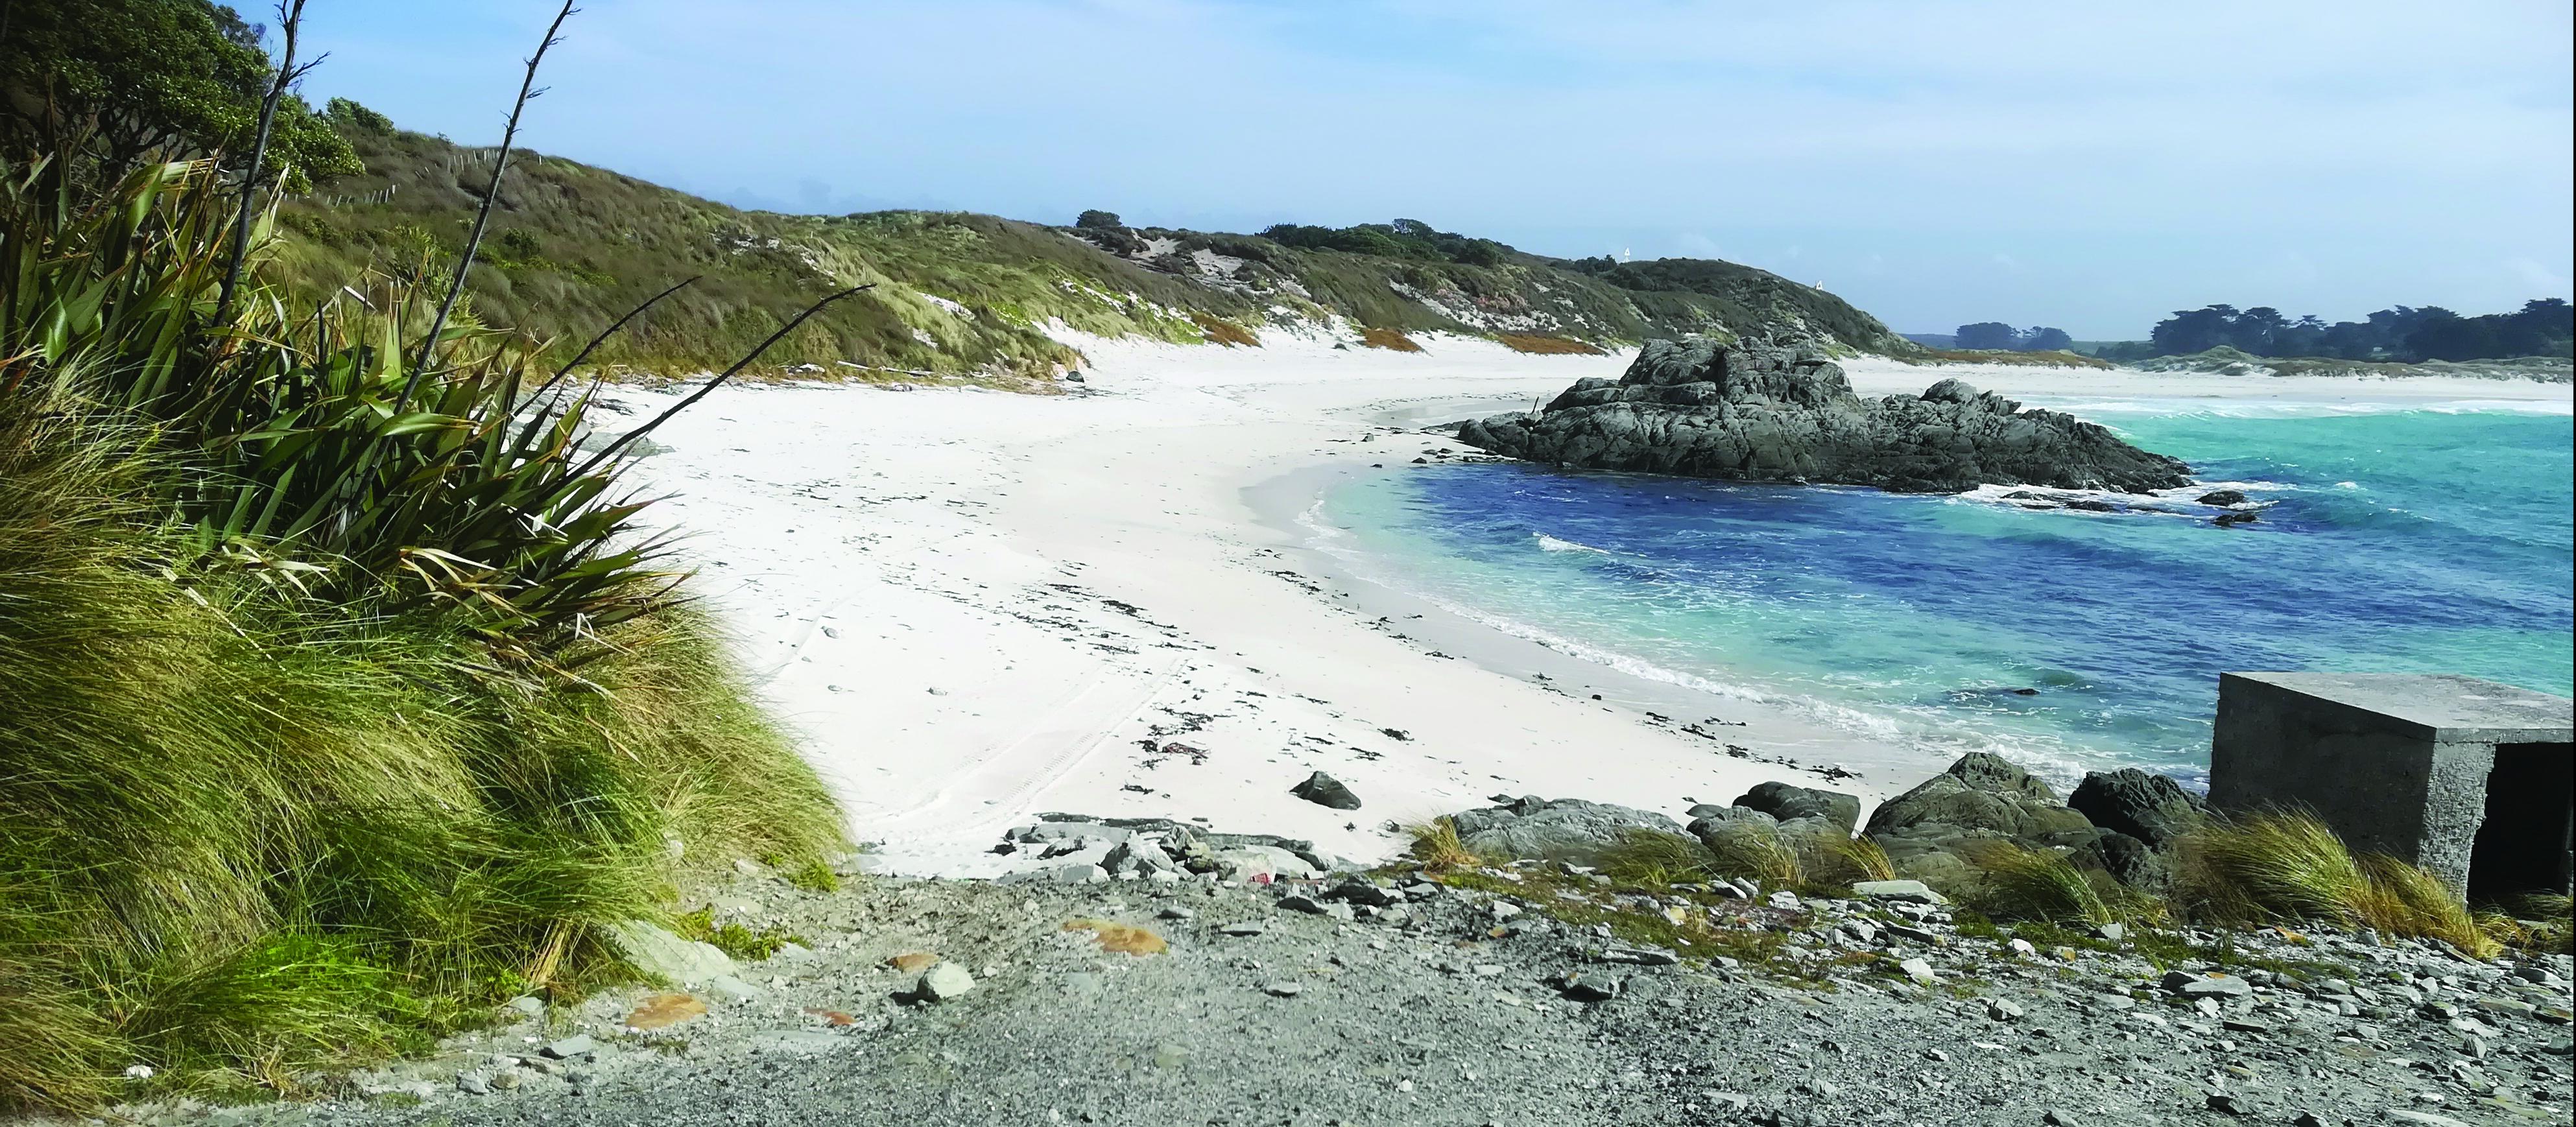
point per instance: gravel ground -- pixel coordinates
(1450, 1006)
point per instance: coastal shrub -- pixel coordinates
(338, 699)
(2290, 866)
(1851, 860)
(2038, 884)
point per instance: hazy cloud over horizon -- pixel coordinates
(1936, 164)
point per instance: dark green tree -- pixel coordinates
(2040, 338)
(1987, 334)
(1099, 221)
(123, 81)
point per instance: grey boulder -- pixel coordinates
(1786, 802)
(1564, 829)
(2151, 808)
(1757, 410)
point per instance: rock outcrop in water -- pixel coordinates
(1755, 411)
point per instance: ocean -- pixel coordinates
(2400, 538)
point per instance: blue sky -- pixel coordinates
(2089, 166)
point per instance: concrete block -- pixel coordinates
(2468, 778)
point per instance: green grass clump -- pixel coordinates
(2039, 884)
(1755, 852)
(2290, 866)
(1657, 859)
(1435, 846)
(736, 941)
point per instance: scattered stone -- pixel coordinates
(656, 953)
(2229, 1103)
(1284, 989)
(1588, 988)
(943, 982)
(579, 1044)
(1641, 956)
(1242, 930)
(1899, 891)
(1325, 790)
(1918, 970)
(2211, 985)
(473, 1084)
(527, 1005)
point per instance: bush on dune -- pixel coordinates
(339, 699)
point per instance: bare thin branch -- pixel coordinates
(610, 451)
(290, 15)
(482, 215)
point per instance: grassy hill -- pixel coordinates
(571, 247)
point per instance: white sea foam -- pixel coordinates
(1552, 544)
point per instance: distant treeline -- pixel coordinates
(2542, 327)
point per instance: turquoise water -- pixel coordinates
(2394, 540)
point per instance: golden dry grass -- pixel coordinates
(1547, 346)
(1755, 852)
(2039, 884)
(1389, 339)
(1436, 847)
(2290, 865)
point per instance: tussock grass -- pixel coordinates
(1390, 339)
(1548, 346)
(2289, 865)
(1756, 853)
(1856, 859)
(2039, 884)
(1657, 859)
(1437, 848)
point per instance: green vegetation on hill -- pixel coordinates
(962, 294)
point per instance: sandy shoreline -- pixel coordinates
(979, 607)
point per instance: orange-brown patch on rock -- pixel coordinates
(913, 962)
(662, 1011)
(1547, 346)
(832, 1017)
(1389, 339)
(1225, 332)
(1121, 938)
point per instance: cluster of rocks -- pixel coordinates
(2123, 823)
(1523, 991)
(1078, 849)
(1759, 411)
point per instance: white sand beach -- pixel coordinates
(978, 607)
